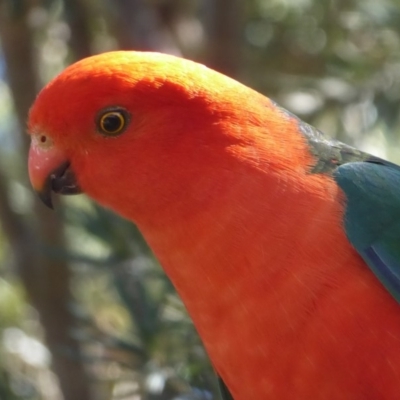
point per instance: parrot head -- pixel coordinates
(137, 131)
(101, 125)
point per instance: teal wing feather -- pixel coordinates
(372, 218)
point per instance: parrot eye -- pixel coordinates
(112, 122)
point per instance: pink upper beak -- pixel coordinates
(49, 170)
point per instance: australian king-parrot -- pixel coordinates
(283, 245)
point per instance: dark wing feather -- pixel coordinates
(225, 393)
(372, 219)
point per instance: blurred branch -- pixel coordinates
(11, 223)
(46, 280)
(139, 25)
(225, 37)
(77, 15)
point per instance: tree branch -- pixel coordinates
(46, 280)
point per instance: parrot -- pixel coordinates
(283, 245)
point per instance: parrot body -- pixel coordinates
(273, 236)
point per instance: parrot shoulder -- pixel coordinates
(372, 206)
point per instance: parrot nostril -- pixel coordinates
(42, 140)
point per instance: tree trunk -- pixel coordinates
(141, 26)
(224, 20)
(46, 279)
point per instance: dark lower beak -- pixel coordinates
(62, 180)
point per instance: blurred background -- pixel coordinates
(86, 313)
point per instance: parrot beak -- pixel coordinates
(50, 171)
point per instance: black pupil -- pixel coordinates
(112, 123)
